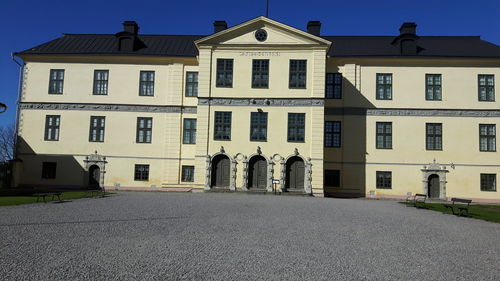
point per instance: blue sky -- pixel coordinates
(29, 23)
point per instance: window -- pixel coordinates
(332, 133)
(384, 86)
(296, 127)
(56, 81)
(258, 126)
(96, 128)
(333, 89)
(332, 178)
(384, 135)
(49, 170)
(434, 136)
(222, 127)
(298, 70)
(487, 137)
(191, 84)
(101, 82)
(488, 182)
(189, 131)
(486, 87)
(384, 180)
(260, 74)
(141, 172)
(52, 123)
(187, 173)
(224, 73)
(433, 86)
(147, 83)
(144, 129)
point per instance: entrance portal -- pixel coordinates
(257, 173)
(221, 167)
(433, 186)
(295, 170)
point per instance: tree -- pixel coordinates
(7, 142)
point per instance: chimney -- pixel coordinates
(408, 28)
(131, 27)
(407, 39)
(219, 25)
(314, 27)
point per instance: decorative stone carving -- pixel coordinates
(259, 151)
(296, 152)
(440, 171)
(208, 172)
(413, 112)
(109, 107)
(222, 149)
(95, 160)
(261, 102)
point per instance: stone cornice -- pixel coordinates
(262, 102)
(107, 107)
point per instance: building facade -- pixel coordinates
(258, 103)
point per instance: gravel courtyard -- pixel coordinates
(224, 236)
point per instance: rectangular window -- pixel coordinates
(384, 180)
(191, 84)
(96, 133)
(487, 137)
(434, 136)
(260, 74)
(332, 133)
(333, 86)
(49, 170)
(298, 74)
(52, 123)
(101, 82)
(433, 86)
(258, 126)
(189, 131)
(147, 83)
(486, 87)
(187, 174)
(384, 135)
(332, 178)
(224, 73)
(144, 129)
(384, 86)
(56, 81)
(222, 127)
(141, 172)
(488, 182)
(296, 127)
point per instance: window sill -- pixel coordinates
(488, 191)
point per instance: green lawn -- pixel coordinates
(482, 212)
(18, 199)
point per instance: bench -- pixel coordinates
(462, 205)
(417, 198)
(48, 194)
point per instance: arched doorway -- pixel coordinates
(257, 173)
(295, 171)
(221, 167)
(94, 176)
(433, 186)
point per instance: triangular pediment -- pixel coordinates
(278, 34)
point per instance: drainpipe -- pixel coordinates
(18, 101)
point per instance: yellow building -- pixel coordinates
(262, 106)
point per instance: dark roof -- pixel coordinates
(343, 46)
(430, 46)
(107, 44)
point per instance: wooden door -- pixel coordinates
(257, 172)
(433, 186)
(221, 171)
(94, 176)
(295, 174)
